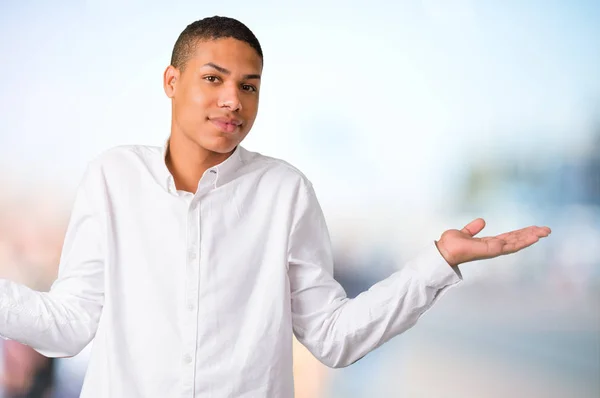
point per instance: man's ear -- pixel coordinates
(170, 80)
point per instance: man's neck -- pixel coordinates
(187, 162)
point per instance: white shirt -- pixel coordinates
(197, 295)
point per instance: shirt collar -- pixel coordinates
(223, 172)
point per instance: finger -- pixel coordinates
(474, 227)
(519, 243)
(511, 234)
(516, 233)
(538, 231)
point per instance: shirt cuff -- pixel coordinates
(434, 269)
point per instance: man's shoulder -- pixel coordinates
(122, 155)
(124, 163)
(123, 152)
(273, 167)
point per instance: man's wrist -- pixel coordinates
(440, 246)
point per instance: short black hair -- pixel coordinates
(211, 28)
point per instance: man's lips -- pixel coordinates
(226, 125)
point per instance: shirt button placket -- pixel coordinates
(192, 280)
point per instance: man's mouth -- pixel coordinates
(226, 125)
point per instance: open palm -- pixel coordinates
(461, 246)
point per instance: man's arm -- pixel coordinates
(62, 322)
(340, 331)
(337, 330)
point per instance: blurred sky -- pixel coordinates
(370, 99)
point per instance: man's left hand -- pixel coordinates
(459, 247)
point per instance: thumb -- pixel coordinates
(474, 227)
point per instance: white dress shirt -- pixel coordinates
(197, 295)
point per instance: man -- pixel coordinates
(191, 265)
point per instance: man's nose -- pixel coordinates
(229, 98)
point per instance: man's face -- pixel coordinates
(215, 97)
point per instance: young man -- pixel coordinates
(192, 265)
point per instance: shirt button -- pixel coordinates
(190, 306)
(193, 255)
(187, 358)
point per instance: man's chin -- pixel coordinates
(221, 145)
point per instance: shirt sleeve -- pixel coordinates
(61, 322)
(335, 329)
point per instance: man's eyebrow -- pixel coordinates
(219, 68)
(227, 72)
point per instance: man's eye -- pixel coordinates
(211, 79)
(248, 87)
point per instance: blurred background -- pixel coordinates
(410, 117)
